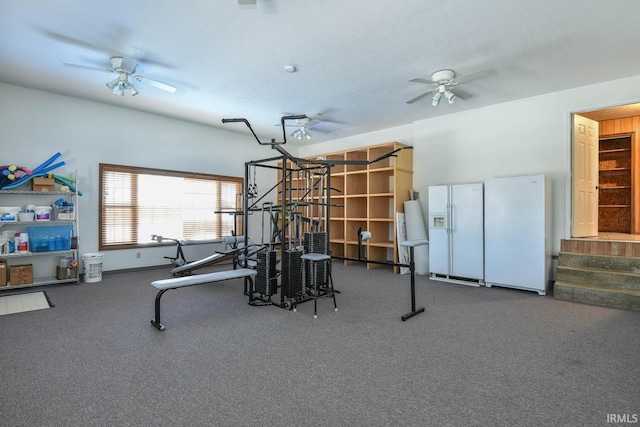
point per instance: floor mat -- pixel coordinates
(19, 303)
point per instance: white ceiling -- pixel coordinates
(354, 58)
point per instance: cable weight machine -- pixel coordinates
(291, 290)
(288, 226)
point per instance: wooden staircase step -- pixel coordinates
(589, 294)
(608, 279)
(602, 262)
(600, 247)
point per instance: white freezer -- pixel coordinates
(518, 232)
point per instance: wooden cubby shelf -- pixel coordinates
(372, 194)
(362, 196)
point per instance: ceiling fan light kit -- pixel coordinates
(112, 84)
(301, 133)
(451, 97)
(305, 126)
(132, 89)
(119, 86)
(436, 99)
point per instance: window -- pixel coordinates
(138, 202)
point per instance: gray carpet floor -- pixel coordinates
(476, 357)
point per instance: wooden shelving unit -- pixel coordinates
(619, 195)
(615, 185)
(363, 197)
(371, 196)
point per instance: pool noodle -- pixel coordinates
(50, 168)
(47, 163)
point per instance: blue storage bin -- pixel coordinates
(46, 239)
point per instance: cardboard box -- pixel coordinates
(21, 274)
(3, 272)
(43, 184)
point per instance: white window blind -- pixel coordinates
(138, 202)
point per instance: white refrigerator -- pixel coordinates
(456, 235)
(518, 232)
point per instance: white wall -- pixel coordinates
(528, 136)
(36, 125)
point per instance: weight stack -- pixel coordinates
(316, 243)
(266, 281)
(291, 275)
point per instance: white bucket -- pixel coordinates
(92, 267)
(26, 216)
(42, 213)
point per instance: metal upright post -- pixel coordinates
(245, 213)
(412, 269)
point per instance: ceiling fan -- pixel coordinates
(443, 83)
(304, 127)
(124, 68)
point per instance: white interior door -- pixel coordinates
(584, 156)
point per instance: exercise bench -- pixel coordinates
(181, 282)
(236, 243)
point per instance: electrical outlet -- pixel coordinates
(138, 254)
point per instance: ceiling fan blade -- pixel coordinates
(460, 93)
(326, 120)
(425, 81)
(323, 117)
(290, 122)
(319, 130)
(419, 97)
(473, 76)
(84, 67)
(156, 83)
(71, 41)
